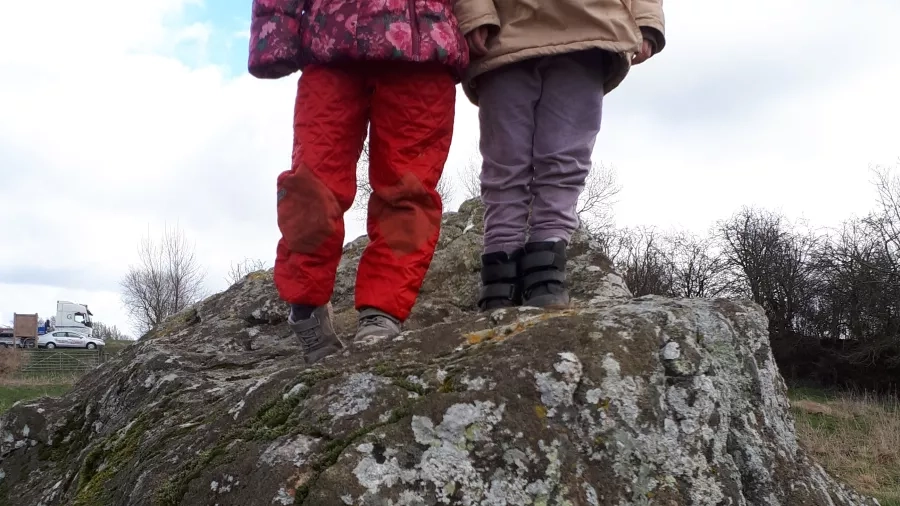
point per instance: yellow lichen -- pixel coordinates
(505, 331)
(259, 275)
(474, 338)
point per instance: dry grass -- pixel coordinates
(39, 381)
(11, 360)
(855, 437)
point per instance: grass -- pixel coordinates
(113, 348)
(16, 385)
(855, 437)
(21, 390)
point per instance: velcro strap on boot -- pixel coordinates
(542, 277)
(540, 260)
(498, 291)
(493, 273)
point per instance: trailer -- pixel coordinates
(25, 330)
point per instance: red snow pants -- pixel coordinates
(410, 107)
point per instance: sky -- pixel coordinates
(120, 117)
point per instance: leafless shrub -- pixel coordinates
(639, 255)
(108, 333)
(167, 279)
(470, 176)
(239, 270)
(595, 205)
(698, 270)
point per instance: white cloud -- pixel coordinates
(112, 124)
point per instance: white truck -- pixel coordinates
(73, 317)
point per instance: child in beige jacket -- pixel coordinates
(539, 73)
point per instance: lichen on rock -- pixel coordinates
(616, 401)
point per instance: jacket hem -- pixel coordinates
(615, 77)
(485, 19)
(455, 69)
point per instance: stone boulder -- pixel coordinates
(617, 401)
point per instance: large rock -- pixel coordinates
(618, 401)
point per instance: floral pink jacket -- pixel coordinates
(286, 35)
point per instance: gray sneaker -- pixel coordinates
(375, 323)
(316, 335)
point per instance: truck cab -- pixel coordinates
(7, 338)
(74, 317)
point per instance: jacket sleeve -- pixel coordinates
(649, 16)
(470, 14)
(275, 38)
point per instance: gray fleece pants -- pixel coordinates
(539, 121)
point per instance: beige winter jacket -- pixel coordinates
(522, 29)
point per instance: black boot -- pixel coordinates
(543, 271)
(500, 285)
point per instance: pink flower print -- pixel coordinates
(267, 28)
(444, 36)
(396, 5)
(322, 45)
(334, 6)
(399, 34)
(315, 6)
(350, 24)
(434, 6)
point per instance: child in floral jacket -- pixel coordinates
(388, 67)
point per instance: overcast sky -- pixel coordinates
(118, 117)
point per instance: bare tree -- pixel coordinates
(639, 255)
(107, 333)
(240, 269)
(772, 262)
(446, 190)
(885, 220)
(167, 279)
(596, 202)
(470, 176)
(698, 270)
(364, 190)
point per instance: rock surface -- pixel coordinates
(617, 401)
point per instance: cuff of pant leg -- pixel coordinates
(547, 235)
(508, 248)
(401, 317)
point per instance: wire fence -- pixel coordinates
(59, 362)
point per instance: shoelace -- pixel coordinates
(310, 338)
(375, 320)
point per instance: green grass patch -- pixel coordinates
(9, 395)
(811, 394)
